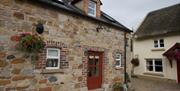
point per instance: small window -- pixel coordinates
(92, 8)
(53, 58)
(159, 43)
(154, 65)
(118, 60)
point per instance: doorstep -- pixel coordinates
(99, 89)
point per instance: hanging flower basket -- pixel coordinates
(135, 62)
(30, 43)
(117, 87)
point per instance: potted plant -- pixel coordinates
(30, 43)
(117, 86)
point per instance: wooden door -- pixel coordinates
(177, 57)
(94, 71)
(178, 70)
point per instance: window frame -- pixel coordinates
(52, 57)
(92, 8)
(154, 65)
(120, 60)
(158, 44)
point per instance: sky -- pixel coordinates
(131, 13)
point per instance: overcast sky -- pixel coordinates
(131, 12)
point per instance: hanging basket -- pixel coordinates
(30, 43)
(135, 61)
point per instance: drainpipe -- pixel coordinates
(125, 77)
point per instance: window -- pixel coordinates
(118, 60)
(53, 58)
(92, 8)
(159, 43)
(154, 65)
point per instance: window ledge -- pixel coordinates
(154, 74)
(51, 71)
(119, 68)
(158, 49)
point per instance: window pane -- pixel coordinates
(97, 70)
(53, 53)
(52, 63)
(161, 45)
(117, 63)
(158, 62)
(118, 56)
(150, 68)
(158, 69)
(155, 43)
(92, 4)
(91, 62)
(90, 71)
(149, 64)
(96, 61)
(91, 11)
(92, 8)
(91, 57)
(161, 41)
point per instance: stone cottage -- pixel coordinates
(84, 47)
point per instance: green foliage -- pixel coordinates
(117, 86)
(30, 43)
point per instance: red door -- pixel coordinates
(178, 70)
(94, 72)
(177, 57)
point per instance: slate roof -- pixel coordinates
(160, 22)
(104, 18)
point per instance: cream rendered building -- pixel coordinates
(158, 35)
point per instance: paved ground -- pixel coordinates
(144, 84)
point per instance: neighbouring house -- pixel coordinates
(60, 45)
(157, 45)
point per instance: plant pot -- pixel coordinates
(118, 89)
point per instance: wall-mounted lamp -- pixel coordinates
(39, 28)
(99, 27)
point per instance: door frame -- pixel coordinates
(101, 53)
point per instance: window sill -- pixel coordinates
(154, 74)
(119, 68)
(52, 71)
(158, 49)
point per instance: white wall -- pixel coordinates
(144, 49)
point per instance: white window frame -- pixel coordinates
(158, 43)
(154, 67)
(93, 8)
(53, 57)
(119, 59)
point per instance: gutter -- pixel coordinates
(125, 77)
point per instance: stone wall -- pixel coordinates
(73, 34)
